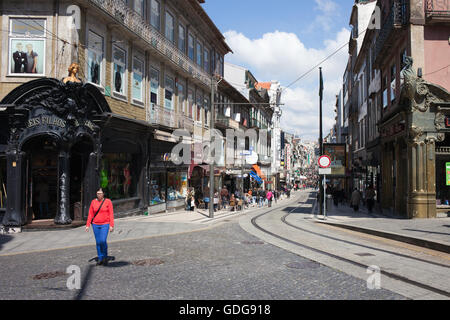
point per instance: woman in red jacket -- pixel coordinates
(101, 216)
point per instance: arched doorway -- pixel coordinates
(41, 172)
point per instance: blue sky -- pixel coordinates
(280, 40)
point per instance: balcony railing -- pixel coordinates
(439, 8)
(118, 10)
(184, 122)
(157, 115)
(226, 122)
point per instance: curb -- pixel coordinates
(433, 245)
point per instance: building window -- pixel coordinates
(139, 7)
(181, 99)
(169, 27)
(154, 85)
(95, 58)
(393, 75)
(199, 53)
(181, 39)
(169, 89)
(191, 102)
(138, 74)
(191, 47)
(155, 16)
(119, 60)
(27, 46)
(207, 107)
(206, 60)
(199, 105)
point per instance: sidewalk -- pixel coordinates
(127, 228)
(429, 233)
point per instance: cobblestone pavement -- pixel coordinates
(222, 262)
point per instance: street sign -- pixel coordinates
(324, 170)
(324, 161)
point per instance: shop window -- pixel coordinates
(157, 188)
(118, 175)
(176, 185)
(169, 89)
(138, 73)
(393, 75)
(27, 47)
(95, 58)
(119, 59)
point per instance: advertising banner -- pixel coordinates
(336, 152)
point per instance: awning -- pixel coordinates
(259, 172)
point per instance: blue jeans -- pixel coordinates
(101, 233)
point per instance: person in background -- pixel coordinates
(370, 197)
(355, 199)
(101, 217)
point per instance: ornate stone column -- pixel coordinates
(63, 209)
(421, 176)
(15, 210)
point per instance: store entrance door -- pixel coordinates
(42, 171)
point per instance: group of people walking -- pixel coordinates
(225, 199)
(339, 196)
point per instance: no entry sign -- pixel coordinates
(324, 161)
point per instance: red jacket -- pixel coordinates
(106, 214)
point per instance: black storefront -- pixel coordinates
(58, 144)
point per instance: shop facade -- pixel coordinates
(60, 145)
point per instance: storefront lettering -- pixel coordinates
(46, 120)
(55, 121)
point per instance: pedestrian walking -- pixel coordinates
(355, 199)
(224, 196)
(216, 200)
(370, 198)
(269, 198)
(101, 217)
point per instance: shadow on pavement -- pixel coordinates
(4, 238)
(425, 231)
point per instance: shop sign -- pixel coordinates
(336, 153)
(46, 120)
(447, 122)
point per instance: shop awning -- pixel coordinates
(259, 172)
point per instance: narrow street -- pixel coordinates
(283, 255)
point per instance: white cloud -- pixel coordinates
(328, 10)
(282, 56)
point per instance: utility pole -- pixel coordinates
(212, 159)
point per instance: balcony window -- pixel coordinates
(138, 74)
(207, 107)
(199, 53)
(181, 98)
(154, 85)
(95, 58)
(181, 39)
(139, 7)
(155, 16)
(191, 103)
(169, 27)
(191, 47)
(206, 60)
(169, 89)
(119, 79)
(199, 105)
